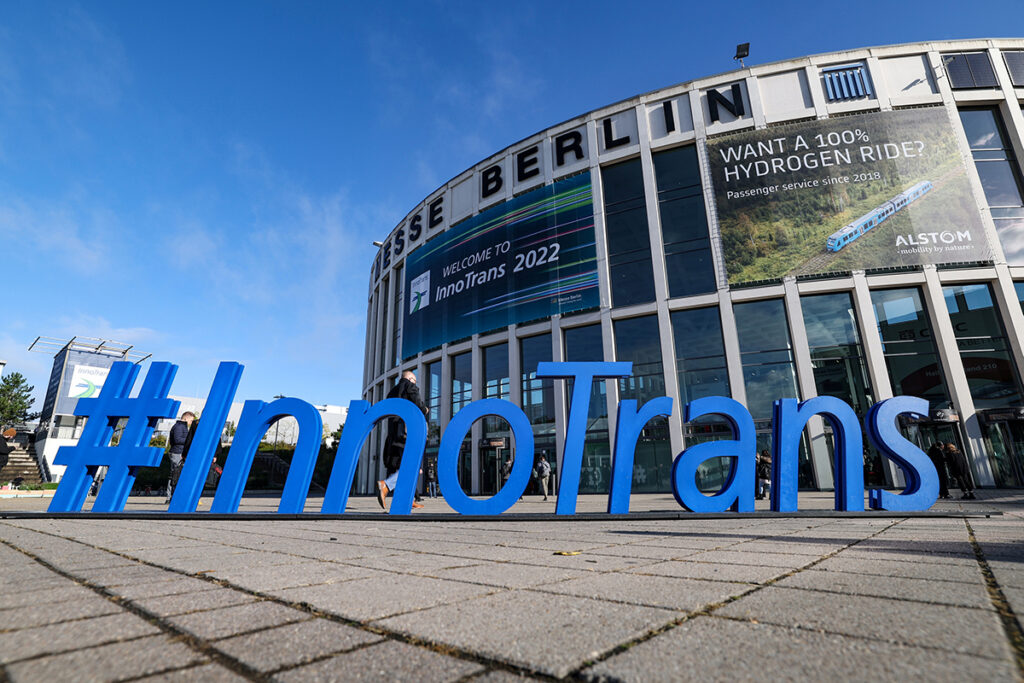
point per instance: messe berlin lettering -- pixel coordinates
(790, 416)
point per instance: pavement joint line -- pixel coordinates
(198, 645)
(1007, 617)
(207, 649)
(505, 518)
(709, 609)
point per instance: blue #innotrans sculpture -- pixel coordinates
(789, 419)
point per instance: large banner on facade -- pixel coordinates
(528, 258)
(866, 191)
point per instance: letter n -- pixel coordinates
(256, 419)
(738, 492)
(360, 421)
(789, 418)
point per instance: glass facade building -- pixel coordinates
(854, 321)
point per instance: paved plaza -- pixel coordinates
(373, 598)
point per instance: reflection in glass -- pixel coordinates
(628, 240)
(702, 371)
(539, 399)
(909, 346)
(496, 385)
(838, 362)
(769, 371)
(1000, 178)
(637, 340)
(584, 344)
(462, 395)
(980, 336)
(684, 226)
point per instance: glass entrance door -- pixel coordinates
(1004, 440)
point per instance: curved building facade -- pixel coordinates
(847, 224)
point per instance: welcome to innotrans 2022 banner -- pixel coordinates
(866, 191)
(528, 258)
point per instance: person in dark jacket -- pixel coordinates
(938, 459)
(394, 443)
(178, 442)
(961, 470)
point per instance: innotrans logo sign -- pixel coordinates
(790, 416)
(419, 297)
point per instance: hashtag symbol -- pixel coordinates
(132, 451)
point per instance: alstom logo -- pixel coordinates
(419, 296)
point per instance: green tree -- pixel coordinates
(15, 400)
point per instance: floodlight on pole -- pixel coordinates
(742, 51)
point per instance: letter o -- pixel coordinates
(448, 457)
(947, 237)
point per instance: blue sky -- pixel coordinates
(204, 180)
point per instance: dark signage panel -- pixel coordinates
(531, 257)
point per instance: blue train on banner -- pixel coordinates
(851, 231)
(790, 416)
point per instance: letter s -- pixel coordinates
(922, 480)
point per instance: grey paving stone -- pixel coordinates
(182, 584)
(544, 632)
(754, 559)
(959, 593)
(214, 673)
(116, 576)
(264, 579)
(413, 563)
(1008, 573)
(183, 603)
(294, 644)
(787, 547)
(912, 570)
(107, 662)
(508, 575)
(378, 597)
(863, 553)
(63, 592)
(389, 661)
(757, 652)
(229, 621)
(56, 612)
(652, 591)
(71, 635)
(645, 552)
(937, 626)
(711, 571)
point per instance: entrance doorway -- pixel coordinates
(1004, 441)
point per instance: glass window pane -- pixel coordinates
(638, 340)
(684, 225)
(991, 373)
(628, 241)
(1015, 65)
(462, 394)
(538, 400)
(999, 180)
(981, 128)
(768, 369)
(584, 344)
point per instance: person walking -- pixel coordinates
(177, 443)
(394, 443)
(957, 462)
(543, 475)
(431, 476)
(764, 474)
(938, 459)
